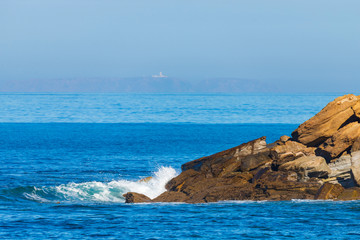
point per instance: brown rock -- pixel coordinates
(341, 171)
(355, 167)
(253, 161)
(309, 166)
(329, 191)
(132, 197)
(324, 124)
(145, 179)
(223, 193)
(171, 197)
(260, 173)
(284, 138)
(356, 145)
(187, 177)
(342, 140)
(279, 185)
(289, 151)
(350, 194)
(356, 109)
(226, 161)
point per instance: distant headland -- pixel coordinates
(158, 83)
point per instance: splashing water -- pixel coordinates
(100, 191)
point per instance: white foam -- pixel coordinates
(113, 191)
(34, 197)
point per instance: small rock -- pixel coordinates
(147, 179)
(133, 197)
(284, 138)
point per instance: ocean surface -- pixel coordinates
(66, 160)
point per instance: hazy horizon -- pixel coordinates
(291, 46)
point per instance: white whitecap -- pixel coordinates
(113, 191)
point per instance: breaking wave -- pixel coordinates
(98, 191)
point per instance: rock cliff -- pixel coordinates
(320, 161)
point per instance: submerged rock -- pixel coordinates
(320, 161)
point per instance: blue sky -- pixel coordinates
(311, 45)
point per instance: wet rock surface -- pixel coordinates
(132, 197)
(320, 161)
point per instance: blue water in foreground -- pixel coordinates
(62, 175)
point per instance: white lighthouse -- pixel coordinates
(161, 75)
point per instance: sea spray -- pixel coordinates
(102, 191)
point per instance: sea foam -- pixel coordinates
(103, 191)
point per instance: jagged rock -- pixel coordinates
(341, 171)
(279, 185)
(355, 167)
(290, 150)
(329, 191)
(253, 161)
(327, 122)
(284, 138)
(132, 197)
(356, 109)
(199, 188)
(356, 145)
(308, 166)
(229, 160)
(171, 197)
(341, 140)
(350, 194)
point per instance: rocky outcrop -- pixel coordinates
(320, 161)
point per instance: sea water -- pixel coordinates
(67, 159)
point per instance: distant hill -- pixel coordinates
(140, 85)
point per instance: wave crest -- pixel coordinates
(102, 191)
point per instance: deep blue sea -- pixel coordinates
(66, 160)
